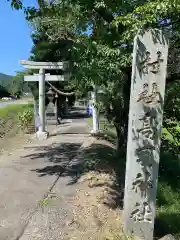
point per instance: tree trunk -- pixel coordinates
(121, 131)
(118, 140)
(120, 137)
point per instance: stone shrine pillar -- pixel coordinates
(95, 114)
(42, 134)
(145, 124)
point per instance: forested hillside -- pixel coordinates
(5, 82)
(12, 85)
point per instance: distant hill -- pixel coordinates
(5, 82)
(12, 85)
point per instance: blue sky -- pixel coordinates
(15, 41)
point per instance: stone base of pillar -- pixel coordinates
(42, 135)
(96, 132)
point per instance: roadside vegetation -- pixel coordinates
(12, 119)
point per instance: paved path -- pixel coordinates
(33, 175)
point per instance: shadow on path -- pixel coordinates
(101, 157)
(76, 115)
(57, 156)
(97, 157)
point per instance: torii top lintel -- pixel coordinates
(44, 65)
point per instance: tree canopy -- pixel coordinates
(100, 35)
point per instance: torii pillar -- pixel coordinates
(42, 134)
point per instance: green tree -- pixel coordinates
(45, 50)
(103, 56)
(18, 86)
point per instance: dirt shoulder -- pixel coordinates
(10, 143)
(97, 203)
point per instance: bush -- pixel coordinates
(26, 118)
(9, 121)
(14, 109)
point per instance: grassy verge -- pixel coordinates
(168, 196)
(9, 119)
(14, 108)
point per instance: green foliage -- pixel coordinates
(5, 80)
(103, 55)
(3, 92)
(18, 86)
(45, 50)
(15, 108)
(168, 205)
(17, 4)
(171, 137)
(25, 118)
(9, 124)
(13, 85)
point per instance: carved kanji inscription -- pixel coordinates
(154, 67)
(142, 183)
(144, 156)
(142, 213)
(152, 97)
(147, 128)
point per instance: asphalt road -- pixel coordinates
(10, 102)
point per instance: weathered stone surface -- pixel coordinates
(145, 124)
(50, 110)
(42, 135)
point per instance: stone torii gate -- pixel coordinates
(42, 77)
